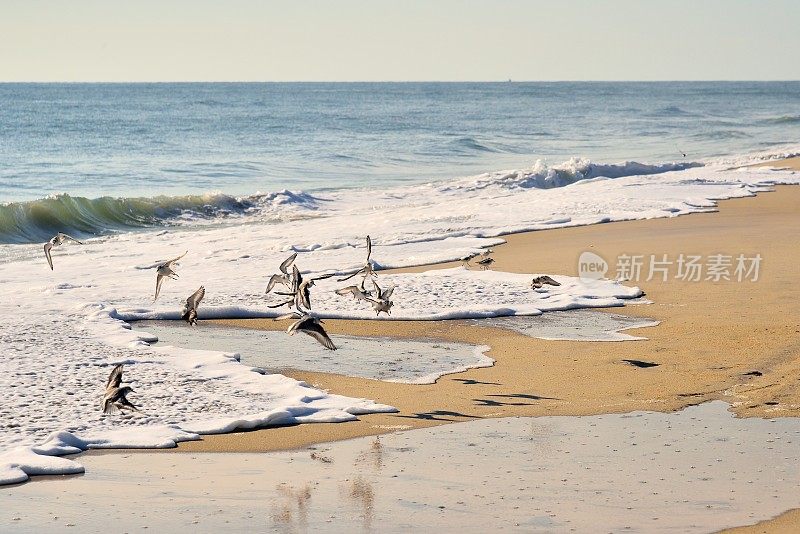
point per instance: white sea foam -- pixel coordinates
(62, 330)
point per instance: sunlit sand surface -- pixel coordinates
(693, 471)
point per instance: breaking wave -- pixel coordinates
(542, 176)
(38, 220)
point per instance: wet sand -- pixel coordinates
(691, 471)
(727, 340)
(787, 163)
(734, 341)
(786, 523)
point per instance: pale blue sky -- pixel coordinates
(181, 40)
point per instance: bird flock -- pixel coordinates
(298, 296)
(482, 259)
(295, 293)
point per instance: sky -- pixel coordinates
(404, 40)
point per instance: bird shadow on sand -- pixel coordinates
(641, 363)
(471, 382)
(438, 415)
(526, 396)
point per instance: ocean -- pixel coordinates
(100, 158)
(240, 176)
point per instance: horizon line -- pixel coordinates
(508, 80)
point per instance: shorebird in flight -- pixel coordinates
(294, 279)
(190, 308)
(115, 378)
(59, 239)
(358, 292)
(116, 395)
(284, 278)
(539, 281)
(310, 326)
(164, 270)
(301, 291)
(380, 302)
(367, 270)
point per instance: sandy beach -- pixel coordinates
(728, 340)
(743, 352)
(333, 269)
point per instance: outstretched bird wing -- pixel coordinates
(297, 279)
(296, 325)
(117, 398)
(107, 404)
(360, 271)
(352, 290)
(65, 237)
(388, 293)
(115, 378)
(159, 281)
(174, 260)
(303, 296)
(369, 248)
(47, 247)
(284, 267)
(194, 301)
(284, 303)
(313, 328)
(274, 280)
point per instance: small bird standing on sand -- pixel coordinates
(380, 302)
(116, 396)
(486, 262)
(468, 258)
(164, 270)
(310, 326)
(190, 308)
(285, 278)
(539, 281)
(367, 270)
(59, 239)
